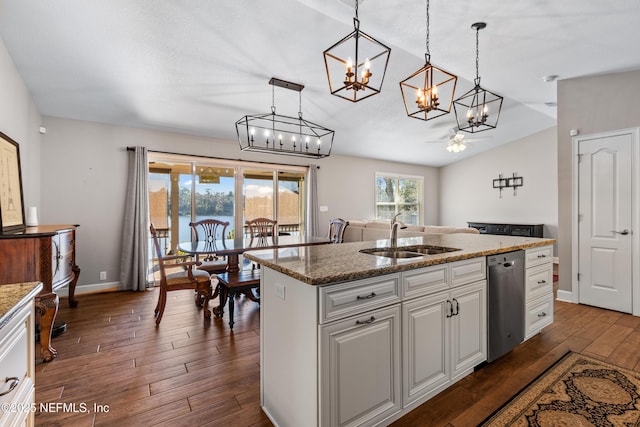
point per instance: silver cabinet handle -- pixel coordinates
(457, 308)
(14, 383)
(542, 256)
(543, 314)
(371, 295)
(623, 232)
(541, 282)
(365, 322)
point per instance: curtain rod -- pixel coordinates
(218, 158)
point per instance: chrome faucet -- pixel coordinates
(395, 224)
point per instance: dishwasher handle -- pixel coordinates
(509, 264)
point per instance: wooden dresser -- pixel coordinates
(47, 254)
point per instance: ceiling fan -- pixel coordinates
(457, 141)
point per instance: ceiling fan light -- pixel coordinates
(456, 146)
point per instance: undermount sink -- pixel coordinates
(408, 251)
(392, 253)
(432, 250)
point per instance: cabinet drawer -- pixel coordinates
(538, 256)
(539, 314)
(14, 358)
(342, 300)
(425, 281)
(468, 271)
(538, 281)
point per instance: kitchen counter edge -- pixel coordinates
(317, 259)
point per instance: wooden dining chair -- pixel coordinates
(210, 231)
(262, 227)
(337, 226)
(262, 232)
(186, 277)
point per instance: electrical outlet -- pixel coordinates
(103, 275)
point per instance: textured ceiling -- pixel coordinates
(197, 66)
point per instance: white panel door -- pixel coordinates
(604, 221)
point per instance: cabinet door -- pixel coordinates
(425, 346)
(360, 377)
(468, 327)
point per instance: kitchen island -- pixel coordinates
(351, 338)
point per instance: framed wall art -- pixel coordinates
(11, 197)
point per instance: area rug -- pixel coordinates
(576, 391)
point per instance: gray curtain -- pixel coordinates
(135, 232)
(313, 208)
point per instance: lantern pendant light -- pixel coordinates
(285, 135)
(479, 109)
(356, 64)
(428, 93)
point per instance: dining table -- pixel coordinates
(233, 248)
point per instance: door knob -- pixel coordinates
(623, 232)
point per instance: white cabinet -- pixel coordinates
(426, 346)
(469, 328)
(330, 355)
(17, 369)
(538, 289)
(444, 332)
(366, 352)
(360, 373)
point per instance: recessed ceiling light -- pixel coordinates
(550, 78)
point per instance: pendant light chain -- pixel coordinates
(356, 9)
(273, 99)
(477, 81)
(427, 55)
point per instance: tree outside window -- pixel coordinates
(399, 194)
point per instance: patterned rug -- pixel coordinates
(576, 391)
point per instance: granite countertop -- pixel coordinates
(14, 297)
(332, 263)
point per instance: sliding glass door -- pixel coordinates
(183, 189)
(214, 194)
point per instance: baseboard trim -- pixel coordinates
(566, 296)
(91, 288)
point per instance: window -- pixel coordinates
(183, 189)
(399, 194)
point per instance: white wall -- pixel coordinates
(346, 185)
(589, 105)
(86, 175)
(467, 193)
(20, 121)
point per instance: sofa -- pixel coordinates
(361, 231)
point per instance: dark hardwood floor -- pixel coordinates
(190, 372)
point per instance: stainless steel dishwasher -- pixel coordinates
(505, 303)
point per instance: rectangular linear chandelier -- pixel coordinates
(277, 134)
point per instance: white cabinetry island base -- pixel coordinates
(339, 354)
